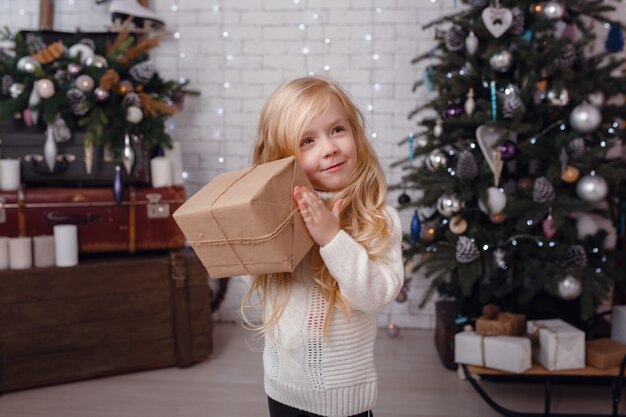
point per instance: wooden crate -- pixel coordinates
(102, 317)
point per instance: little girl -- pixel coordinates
(320, 321)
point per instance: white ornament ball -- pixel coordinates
(82, 50)
(45, 88)
(27, 64)
(97, 61)
(134, 114)
(496, 201)
(585, 118)
(592, 188)
(586, 226)
(569, 287)
(553, 10)
(84, 83)
(16, 90)
(436, 160)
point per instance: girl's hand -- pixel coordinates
(322, 223)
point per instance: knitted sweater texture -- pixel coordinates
(333, 376)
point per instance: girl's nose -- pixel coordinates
(329, 147)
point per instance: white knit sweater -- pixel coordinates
(333, 376)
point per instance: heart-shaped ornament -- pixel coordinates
(488, 138)
(497, 20)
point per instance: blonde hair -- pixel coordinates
(284, 117)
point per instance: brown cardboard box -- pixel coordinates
(604, 353)
(247, 222)
(505, 324)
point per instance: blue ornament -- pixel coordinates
(427, 81)
(615, 39)
(527, 36)
(118, 187)
(416, 227)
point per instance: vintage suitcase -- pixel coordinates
(142, 222)
(27, 144)
(103, 317)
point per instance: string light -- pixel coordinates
(225, 34)
(176, 35)
(174, 7)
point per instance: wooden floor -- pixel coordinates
(412, 383)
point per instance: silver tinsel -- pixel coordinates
(6, 83)
(576, 148)
(576, 255)
(567, 58)
(143, 72)
(466, 166)
(466, 250)
(455, 38)
(34, 43)
(543, 190)
(131, 99)
(519, 21)
(78, 101)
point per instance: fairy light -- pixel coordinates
(368, 37)
(301, 26)
(176, 35)
(326, 67)
(375, 57)
(226, 84)
(305, 50)
(327, 41)
(174, 7)
(183, 55)
(70, 2)
(21, 12)
(225, 34)
(220, 159)
(370, 107)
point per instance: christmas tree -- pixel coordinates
(518, 159)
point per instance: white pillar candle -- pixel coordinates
(20, 253)
(161, 171)
(4, 252)
(43, 248)
(66, 245)
(9, 174)
(176, 158)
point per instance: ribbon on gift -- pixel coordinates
(245, 240)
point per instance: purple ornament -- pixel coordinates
(453, 111)
(74, 69)
(118, 186)
(101, 94)
(507, 150)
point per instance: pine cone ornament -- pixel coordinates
(519, 21)
(478, 4)
(143, 72)
(466, 250)
(131, 99)
(567, 58)
(543, 190)
(466, 166)
(455, 39)
(576, 148)
(576, 255)
(89, 42)
(34, 43)
(6, 83)
(78, 101)
(510, 104)
(62, 76)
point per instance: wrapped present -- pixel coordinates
(247, 222)
(560, 345)
(505, 353)
(504, 324)
(604, 353)
(618, 323)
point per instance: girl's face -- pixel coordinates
(327, 150)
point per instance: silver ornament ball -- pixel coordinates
(592, 188)
(585, 118)
(27, 64)
(436, 160)
(569, 288)
(501, 61)
(16, 90)
(97, 61)
(447, 205)
(553, 10)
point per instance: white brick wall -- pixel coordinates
(264, 46)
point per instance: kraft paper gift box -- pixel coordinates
(604, 353)
(561, 345)
(618, 323)
(247, 222)
(505, 324)
(505, 353)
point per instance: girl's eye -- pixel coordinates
(338, 129)
(306, 141)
